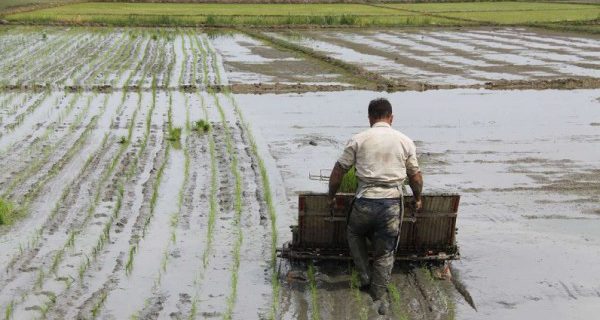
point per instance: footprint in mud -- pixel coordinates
(175, 254)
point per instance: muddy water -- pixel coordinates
(525, 162)
(458, 57)
(250, 61)
(103, 186)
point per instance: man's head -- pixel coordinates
(380, 110)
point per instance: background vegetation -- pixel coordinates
(321, 14)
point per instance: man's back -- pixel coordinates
(382, 157)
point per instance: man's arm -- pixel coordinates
(335, 179)
(416, 184)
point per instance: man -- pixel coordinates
(383, 158)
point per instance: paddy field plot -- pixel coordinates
(121, 195)
(316, 14)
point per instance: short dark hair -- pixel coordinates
(380, 108)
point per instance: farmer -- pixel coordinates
(383, 158)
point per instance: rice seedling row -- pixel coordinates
(28, 58)
(174, 217)
(268, 198)
(91, 253)
(314, 295)
(363, 311)
(23, 74)
(94, 302)
(21, 177)
(120, 64)
(231, 299)
(106, 61)
(396, 302)
(16, 118)
(85, 46)
(59, 255)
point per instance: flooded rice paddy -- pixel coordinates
(124, 218)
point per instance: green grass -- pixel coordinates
(8, 212)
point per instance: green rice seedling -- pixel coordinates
(201, 126)
(129, 264)
(122, 140)
(315, 315)
(98, 304)
(8, 211)
(39, 280)
(349, 181)
(396, 302)
(194, 310)
(354, 287)
(8, 312)
(212, 213)
(174, 134)
(46, 307)
(56, 260)
(71, 239)
(83, 267)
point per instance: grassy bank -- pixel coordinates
(322, 14)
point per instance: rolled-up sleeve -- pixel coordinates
(412, 164)
(348, 157)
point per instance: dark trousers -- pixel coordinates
(378, 220)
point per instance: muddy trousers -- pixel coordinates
(377, 220)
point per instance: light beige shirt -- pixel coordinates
(383, 157)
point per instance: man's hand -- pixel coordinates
(418, 204)
(335, 180)
(331, 203)
(416, 185)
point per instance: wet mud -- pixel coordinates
(118, 208)
(526, 181)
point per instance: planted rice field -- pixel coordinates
(160, 167)
(317, 14)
